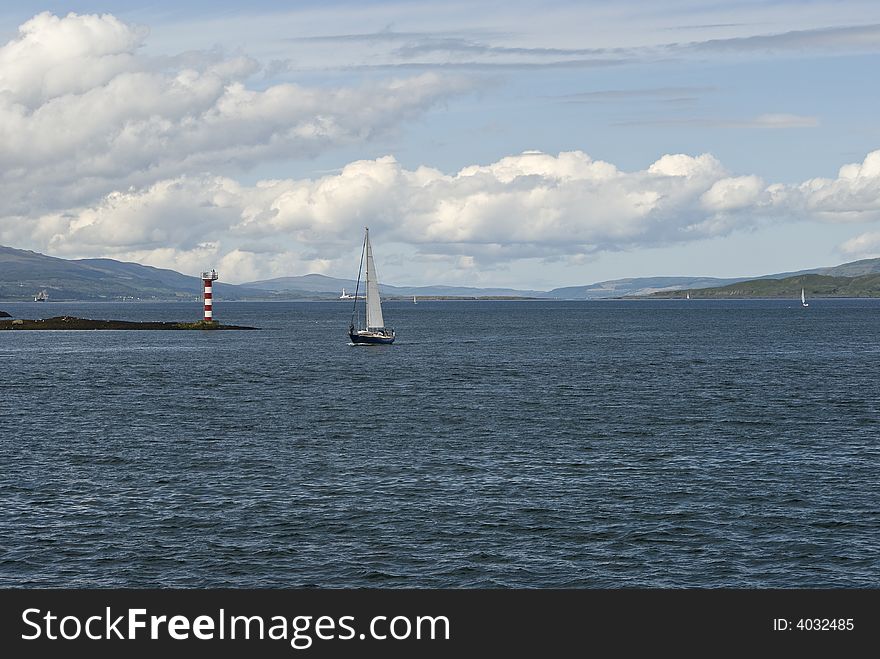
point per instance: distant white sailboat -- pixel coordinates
(414, 299)
(804, 299)
(688, 295)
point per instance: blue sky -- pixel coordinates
(499, 143)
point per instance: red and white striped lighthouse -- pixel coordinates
(208, 279)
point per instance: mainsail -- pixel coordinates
(374, 304)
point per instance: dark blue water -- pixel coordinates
(527, 444)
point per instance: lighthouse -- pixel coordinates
(208, 279)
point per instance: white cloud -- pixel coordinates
(110, 152)
(854, 196)
(532, 205)
(54, 56)
(733, 193)
(83, 113)
(862, 246)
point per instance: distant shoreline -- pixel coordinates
(405, 298)
(793, 298)
(440, 298)
(59, 304)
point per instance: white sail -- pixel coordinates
(803, 298)
(374, 304)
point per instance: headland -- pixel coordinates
(72, 323)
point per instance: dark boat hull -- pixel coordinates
(371, 338)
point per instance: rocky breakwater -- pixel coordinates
(72, 323)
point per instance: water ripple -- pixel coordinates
(546, 445)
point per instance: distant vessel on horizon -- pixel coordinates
(349, 296)
(373, 330)
(42, 296)
(804, 299)
(688, 295)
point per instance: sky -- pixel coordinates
(518, 144)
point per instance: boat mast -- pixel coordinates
(367, 279)
(358, 285)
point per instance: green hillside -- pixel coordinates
(790, 287)
(23, 273)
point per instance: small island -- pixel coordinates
(72, 323)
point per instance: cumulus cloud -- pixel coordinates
(854, 196)
(733, 193)
(862, 246)
(83, 112)
(108, 152)
(54, 56)
(526, 206)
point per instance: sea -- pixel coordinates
(500, 444)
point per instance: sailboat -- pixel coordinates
(414, 300)
(688, 295)
(804, 299)
(373, 329)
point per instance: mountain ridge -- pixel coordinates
(325, 284)
(813, 285)
(24, 272)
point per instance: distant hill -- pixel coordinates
(851, 269)
(634, 286)
(724, 288)
(308, 283)
(23, 273)
(667, 286)
(315, 283)
(789, 287)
